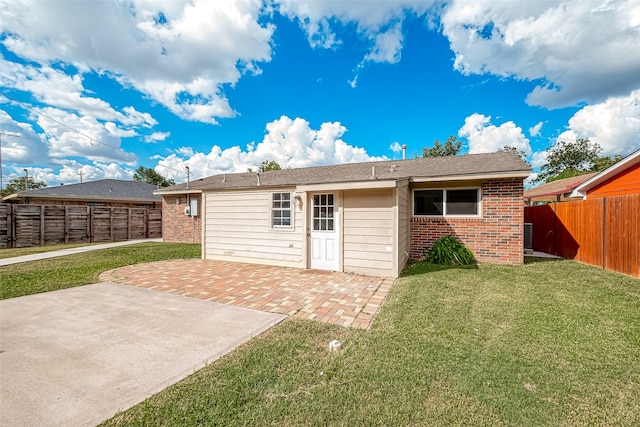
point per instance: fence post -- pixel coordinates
(11, 226)
(91, 213)
(42, 227)
(66, 224)
(555, 235)
(604, 232)
(111, 234)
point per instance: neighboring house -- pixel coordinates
(367, 218)
(621, 178)
(556, 191)
(105, 192)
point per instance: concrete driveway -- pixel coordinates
(77, 356)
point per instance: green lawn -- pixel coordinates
(545, 344)
(14, 252)
(84, 268)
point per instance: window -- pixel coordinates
(323, 209)
(281, 210)
(448, 202)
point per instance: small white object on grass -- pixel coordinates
(334, 346)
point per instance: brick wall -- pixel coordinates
(497, 237)
(178, 227)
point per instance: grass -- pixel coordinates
(14, 252)
(84, 268)
(548, 343)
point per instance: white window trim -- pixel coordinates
(291, 211)
(444, 202)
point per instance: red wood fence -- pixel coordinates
(604, 232)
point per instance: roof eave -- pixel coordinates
(463, 177)
(174, 192)
(611, 171)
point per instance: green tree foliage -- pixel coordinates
(450, 148)
(510, 149)
(566, 159)
(270, 165)
(16, 185)
(152, 177)
(605, 162)
(267, 165)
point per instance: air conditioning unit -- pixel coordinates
(528, 235)
(187, 210)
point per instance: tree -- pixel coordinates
(605, 162)
(270, 165)
(566, 159)
(514, 150)
(16, 185)
(267, 165)
(152, 177)
(450, 148)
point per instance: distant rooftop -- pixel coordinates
(113, 189)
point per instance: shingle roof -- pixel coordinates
(491, 164)
(558, 187)
(103, 189)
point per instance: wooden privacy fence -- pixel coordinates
(604, 232)
(39, 225)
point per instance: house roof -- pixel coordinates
(469, 166)
(613, 170)
(104, 189)
(556, 188)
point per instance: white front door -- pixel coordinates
(324, 234)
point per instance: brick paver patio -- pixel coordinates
(339, 298)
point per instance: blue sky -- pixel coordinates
(101, 87)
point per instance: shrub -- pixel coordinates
(448, 250)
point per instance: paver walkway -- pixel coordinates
(338, 298)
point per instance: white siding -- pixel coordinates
(404, 217)
(238, 228)
(368, 232)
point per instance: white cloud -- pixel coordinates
(20, 142)
(96, 143)
(578, 51)
(485, 137)
(69, 172)
(538, 159)
(180, 53)
(388, 46)
(535, 130)
(395, 147)
(290, 142)
(614, 124)
(116, 131)
(157, 136)
(378, 22)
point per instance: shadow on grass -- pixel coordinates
(421, 267)
(536, 259)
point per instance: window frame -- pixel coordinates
(273, 209)
(445, 190)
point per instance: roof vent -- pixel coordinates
(224, 178)
(393, 168)
(373, 172)
(258, 176)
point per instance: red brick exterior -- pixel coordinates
(178, 227)
(497, 237)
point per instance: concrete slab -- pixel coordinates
(75, 357)
(71, 251)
